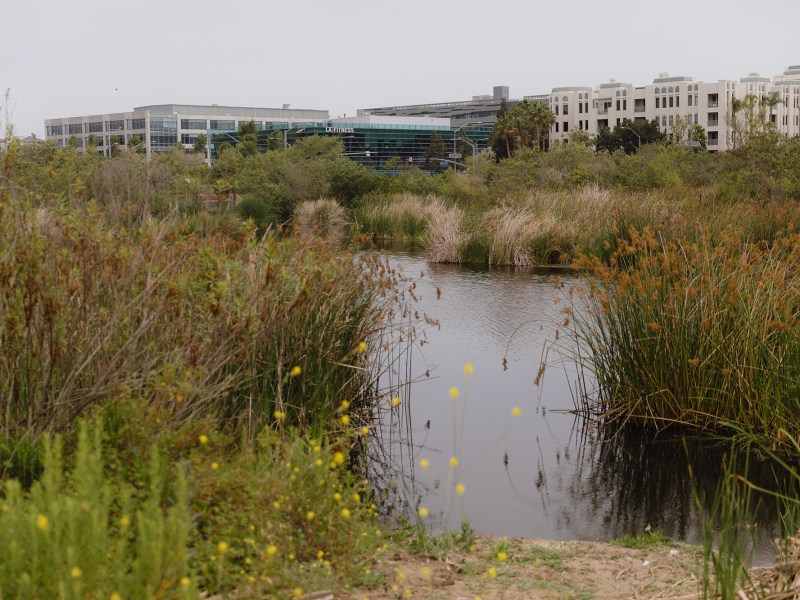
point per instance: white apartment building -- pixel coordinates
(667, 98)
(160, 127)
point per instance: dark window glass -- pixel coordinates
(193, 124)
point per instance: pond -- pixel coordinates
(546, 473)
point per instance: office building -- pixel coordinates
(376, 141)
(162, 126)
(480, 110)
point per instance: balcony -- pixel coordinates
(713, 122)
(602, 111)
(713, 142)
(639, 109)
(713, 103)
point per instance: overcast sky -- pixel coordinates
(63, 59)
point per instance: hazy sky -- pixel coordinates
(63, 59)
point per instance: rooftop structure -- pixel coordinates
(480, 110)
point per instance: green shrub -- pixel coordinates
(71, 534)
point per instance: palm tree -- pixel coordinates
(771, 102)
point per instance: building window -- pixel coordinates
(713, 100)
(565, 109)
(580, 107)
(188, 138)
(617, 104)
(75, 128)
(566, 127)
(663, 120)
(223, 124)
(96, 127)
(658, 102)
(713, 119)
(670, 120)
(556, 126)
(193, 124)
(625, 104)
(55, 130)
(670, 101)
(136, 123)
(690, 99)
(118, 125)
(556, 110)
(677, 101)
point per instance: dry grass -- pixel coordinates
(445, 237)
(319, 216)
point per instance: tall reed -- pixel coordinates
(199, 324)
(703, 333)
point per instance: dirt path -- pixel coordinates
(543, 569)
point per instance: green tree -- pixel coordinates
(135, 144)
(698, 134)
(201, 144)
(435, 152)
(531, 122)
(91, 145)
(248, 134)
(499, 141)
(628, 136)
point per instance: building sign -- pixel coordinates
(339, 130)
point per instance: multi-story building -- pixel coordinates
(669, 98)
(480, 110)
(378, 141)
(160, 127)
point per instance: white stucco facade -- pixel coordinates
(667, 98)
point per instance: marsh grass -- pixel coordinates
(202, 324)
(701, 334)
(319, 216)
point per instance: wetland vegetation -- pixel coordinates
(188, 391)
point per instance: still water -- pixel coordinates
(546, 473)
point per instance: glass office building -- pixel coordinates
(374, 141)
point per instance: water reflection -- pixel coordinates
(546, 473)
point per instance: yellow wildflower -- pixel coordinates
(345, 513)
(42, 522)
(75, 572)
(454, 393)
(468, 369)
(222, 547)
(424, 463)
(453, 462)
(423, 512)
(203, 439)
(296, 370)
(185, 582)
(516, 411)
(460, 489)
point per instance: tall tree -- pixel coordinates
(628, 136)
(201, 144)
(435, 152)
(499, 141)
